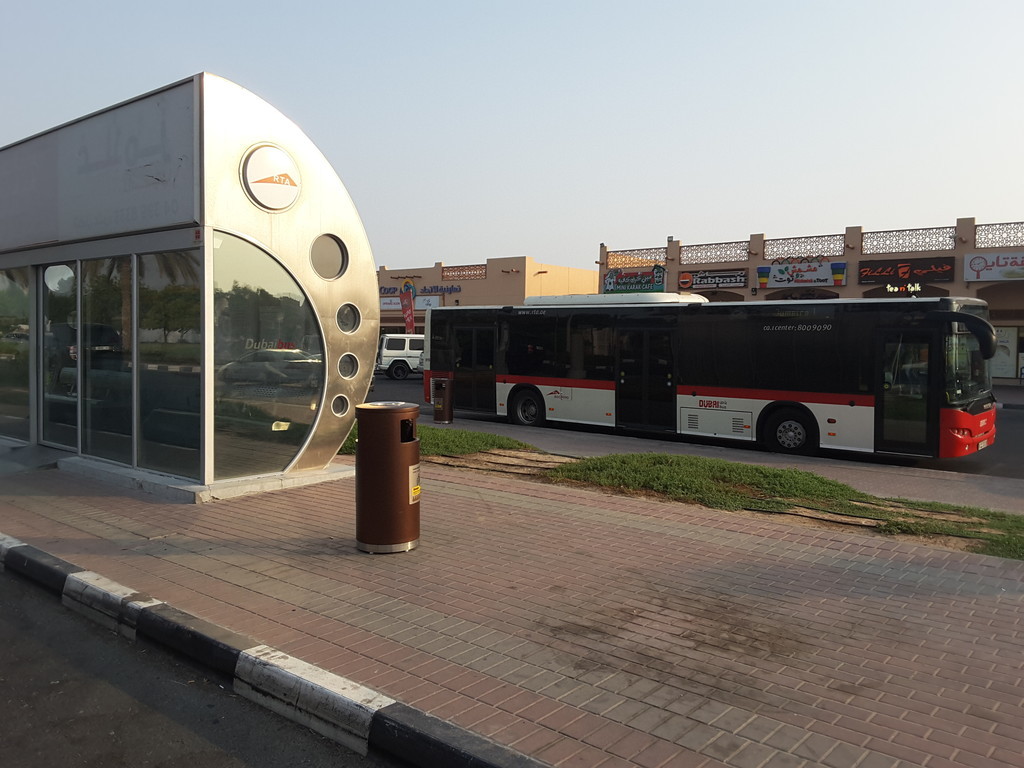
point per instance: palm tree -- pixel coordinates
(174, 267)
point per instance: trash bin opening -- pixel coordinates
(408, 430)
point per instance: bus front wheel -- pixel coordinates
(527, 408)
(790, 431)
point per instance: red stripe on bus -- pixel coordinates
(551, 381)
(820, 398)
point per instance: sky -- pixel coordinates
(468, 130)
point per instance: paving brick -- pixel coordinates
(876, 760)
(597, 732)
(698, 737)
(559, 751)
(702, 638)
(659, 754)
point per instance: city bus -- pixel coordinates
(905, 377)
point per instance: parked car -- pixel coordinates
(400, 354)
(275, 366)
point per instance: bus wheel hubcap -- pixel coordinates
(791, 434)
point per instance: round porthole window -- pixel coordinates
(348, 318)
(348, 366)
(339, 405)
(329, 257)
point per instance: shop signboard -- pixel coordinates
(806, 271)
(713, 278)
(394, 304)
(993, 266)
(635, 280)
(425, 290)
(898, 272)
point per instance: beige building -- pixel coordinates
(979, 260)
(501, 281)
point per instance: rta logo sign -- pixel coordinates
(270, 178)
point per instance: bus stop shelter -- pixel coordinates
(186, 292)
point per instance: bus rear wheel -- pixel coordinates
(791, 431)
(527, 408)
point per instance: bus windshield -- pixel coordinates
(967, 371)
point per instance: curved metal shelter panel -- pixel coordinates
(266, 182)
(192, 289)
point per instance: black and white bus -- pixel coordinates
(895, 376)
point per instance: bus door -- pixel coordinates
(645, 395)
(474, 367)
(908, 392)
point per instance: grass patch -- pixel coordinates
(435, 441)
(710, 482)
(730, 486)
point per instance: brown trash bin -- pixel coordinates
(387, 477)
(442, 395)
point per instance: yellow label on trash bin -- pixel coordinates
(414, 483)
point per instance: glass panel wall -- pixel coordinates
(14, 353)
(169, 339)
(58, 308)
(269, 363)
(105, 358)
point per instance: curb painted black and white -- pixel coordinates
(333, 706)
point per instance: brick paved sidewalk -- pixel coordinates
(587, 629)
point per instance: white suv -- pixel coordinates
(400, 354)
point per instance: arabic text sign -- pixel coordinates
(903, 271)
(634, 281)
(994, 266)
(406, 297)
(126, 169)
(788, 272)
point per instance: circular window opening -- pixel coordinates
(340, 405)
(348, 318)
(329, 257)
(348, 366)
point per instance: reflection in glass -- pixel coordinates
(348, 366)
(329, 257)
(105, 355)
(348, 318)
(905, 405)
(59, 359)
(269, 361)
(14, 341)
(169, 356)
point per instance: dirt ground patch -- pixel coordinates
(512, 462)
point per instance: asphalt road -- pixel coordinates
(1002, 459)
(75, 694)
